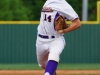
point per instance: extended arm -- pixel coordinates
(73, 26)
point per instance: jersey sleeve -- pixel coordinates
(63, 8)
(67, 11)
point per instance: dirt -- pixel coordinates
(40, 72)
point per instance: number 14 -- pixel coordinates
(47, 18)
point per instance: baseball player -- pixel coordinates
(50, 42)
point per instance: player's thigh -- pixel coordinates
(58, 45)
(56, 49)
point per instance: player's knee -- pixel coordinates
(42, 66)
(54, 56)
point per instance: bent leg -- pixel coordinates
(56, 48)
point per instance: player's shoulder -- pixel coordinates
(50, 2)
(57, 4)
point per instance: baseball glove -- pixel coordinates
(60, 23)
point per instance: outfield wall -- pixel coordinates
(17, 44)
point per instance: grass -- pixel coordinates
(19, 66)
(60, 66)
(79, 66)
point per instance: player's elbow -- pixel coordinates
(77, 23)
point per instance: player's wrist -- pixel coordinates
(61, 31)
(64, 30)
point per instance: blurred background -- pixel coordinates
(12, 10)
(17, 39)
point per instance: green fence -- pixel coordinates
(17, 44)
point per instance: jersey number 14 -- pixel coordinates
(47, 18)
